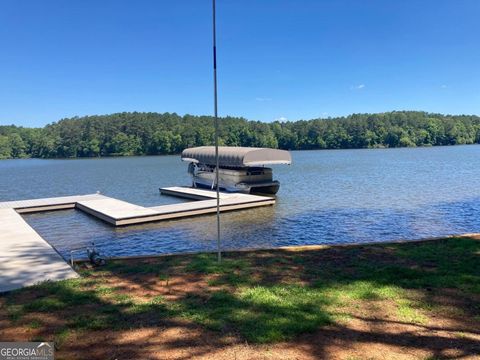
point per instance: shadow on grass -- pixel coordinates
(262, 297)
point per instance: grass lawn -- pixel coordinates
(418, 300)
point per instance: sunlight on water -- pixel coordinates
(341, 196)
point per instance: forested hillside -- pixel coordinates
(153, 133)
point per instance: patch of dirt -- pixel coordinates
(372, 330)
(361, 339)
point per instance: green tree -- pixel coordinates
(152, 133)
(123, 144)
(5, 148)
(17, 146)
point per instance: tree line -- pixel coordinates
(137, 133)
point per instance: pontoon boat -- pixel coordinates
(241, 169)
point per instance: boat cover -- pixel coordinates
(236, 156)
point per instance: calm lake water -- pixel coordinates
(340, 196)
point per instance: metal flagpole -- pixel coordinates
(219, 249)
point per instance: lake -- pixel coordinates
(326, 197)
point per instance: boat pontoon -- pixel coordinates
(241, 169)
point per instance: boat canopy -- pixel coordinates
(232, 156)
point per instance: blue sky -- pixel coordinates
(277, 59)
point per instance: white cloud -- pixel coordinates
(357, 87)
(262, 99)
(281, 118)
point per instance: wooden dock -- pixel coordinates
(48, 204)
(195, 193)
(26, 258)
(120, 213)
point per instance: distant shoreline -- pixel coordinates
(138, 134)
(178, 154)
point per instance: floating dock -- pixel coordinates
(26, 258)
(120, 213)
(48, 204)
(197, 194)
